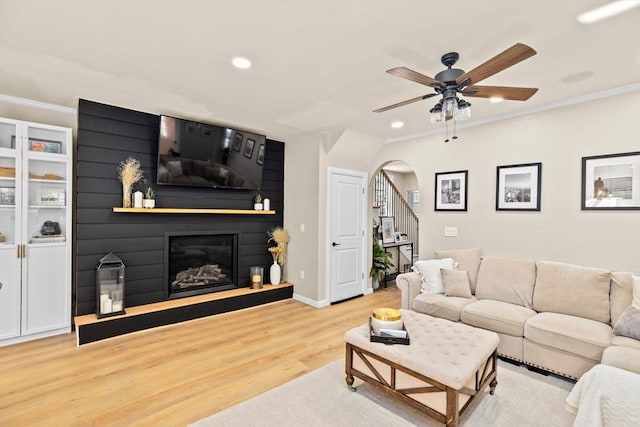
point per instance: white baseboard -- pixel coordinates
(311, 302)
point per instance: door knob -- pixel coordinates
(336, 244)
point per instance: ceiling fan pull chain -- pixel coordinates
(446, 131)
(454, 129)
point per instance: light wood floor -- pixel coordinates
(178, 374)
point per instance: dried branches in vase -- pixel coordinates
(129, 173)
(280, 236)
(275, 251)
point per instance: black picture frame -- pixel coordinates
(237, 142)
(519, 187)
(248, 149)
(451, 191)
(388, 229)
(260, 157)
(611, 182)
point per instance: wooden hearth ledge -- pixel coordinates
(89, 328)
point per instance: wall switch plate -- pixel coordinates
(302, 274)
(302, 228)
(450, 231)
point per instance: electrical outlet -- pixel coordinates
(450, 231)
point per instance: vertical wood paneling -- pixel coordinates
(108, 135)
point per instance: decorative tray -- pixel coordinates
(388, 339)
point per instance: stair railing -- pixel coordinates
(391, 202)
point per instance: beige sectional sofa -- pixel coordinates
(554, 316)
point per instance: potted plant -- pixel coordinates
(381, 262)
(257, 205)
(149, 198)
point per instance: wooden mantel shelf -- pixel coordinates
(194, 211)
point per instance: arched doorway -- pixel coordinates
(395, 207)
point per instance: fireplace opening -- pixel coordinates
(200, 262)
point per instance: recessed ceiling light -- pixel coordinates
(607, 11)
(242, 63)
(397, 125)
(496, 99)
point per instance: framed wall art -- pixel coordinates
(451, 191)
(248, 149)
(518, 187)
(611, 182)
(237, 142)
(260, 158)
(388, 229)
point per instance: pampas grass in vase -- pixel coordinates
(129, 173)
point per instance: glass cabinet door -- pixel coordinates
(46, 172)
(9, 185)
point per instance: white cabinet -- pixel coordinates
(35, 230)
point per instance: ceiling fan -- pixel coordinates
(452, 81)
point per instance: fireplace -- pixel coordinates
(200, 262)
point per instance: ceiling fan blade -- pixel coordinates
(414, 76)
(516, 53)
(510, 93)
(400, 104)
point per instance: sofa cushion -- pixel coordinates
(497, 316)
(467, 259)
(629, 323)
(456, 283)
(429, 271)
(625, 342)
(621, 293)
(622, 357)
(573, 290)
(577, 335)
(507, 280)
(438, 305)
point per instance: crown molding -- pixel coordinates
(37, 104)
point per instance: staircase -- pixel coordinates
(391, 202)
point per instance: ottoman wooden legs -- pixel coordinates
(384, 375)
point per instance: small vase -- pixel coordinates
(126, 196)
(274, 273)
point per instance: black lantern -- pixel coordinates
(110, 286)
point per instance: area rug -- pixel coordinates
(321, 398)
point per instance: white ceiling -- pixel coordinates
(317, 65)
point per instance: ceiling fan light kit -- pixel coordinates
(453, 84)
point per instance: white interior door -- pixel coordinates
(347, 201)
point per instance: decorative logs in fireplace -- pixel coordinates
(208, 274)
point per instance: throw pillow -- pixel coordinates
(429, 271)
(456, 283)
(636, 290)
(175, 168)
(629, 323)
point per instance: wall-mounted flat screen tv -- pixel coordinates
(205, 155)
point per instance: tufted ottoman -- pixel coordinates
(441, 372)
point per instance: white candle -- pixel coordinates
(266, 204)
(107, 305)
(137, 199)
(256, 278)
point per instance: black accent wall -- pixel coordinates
(108, 135)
